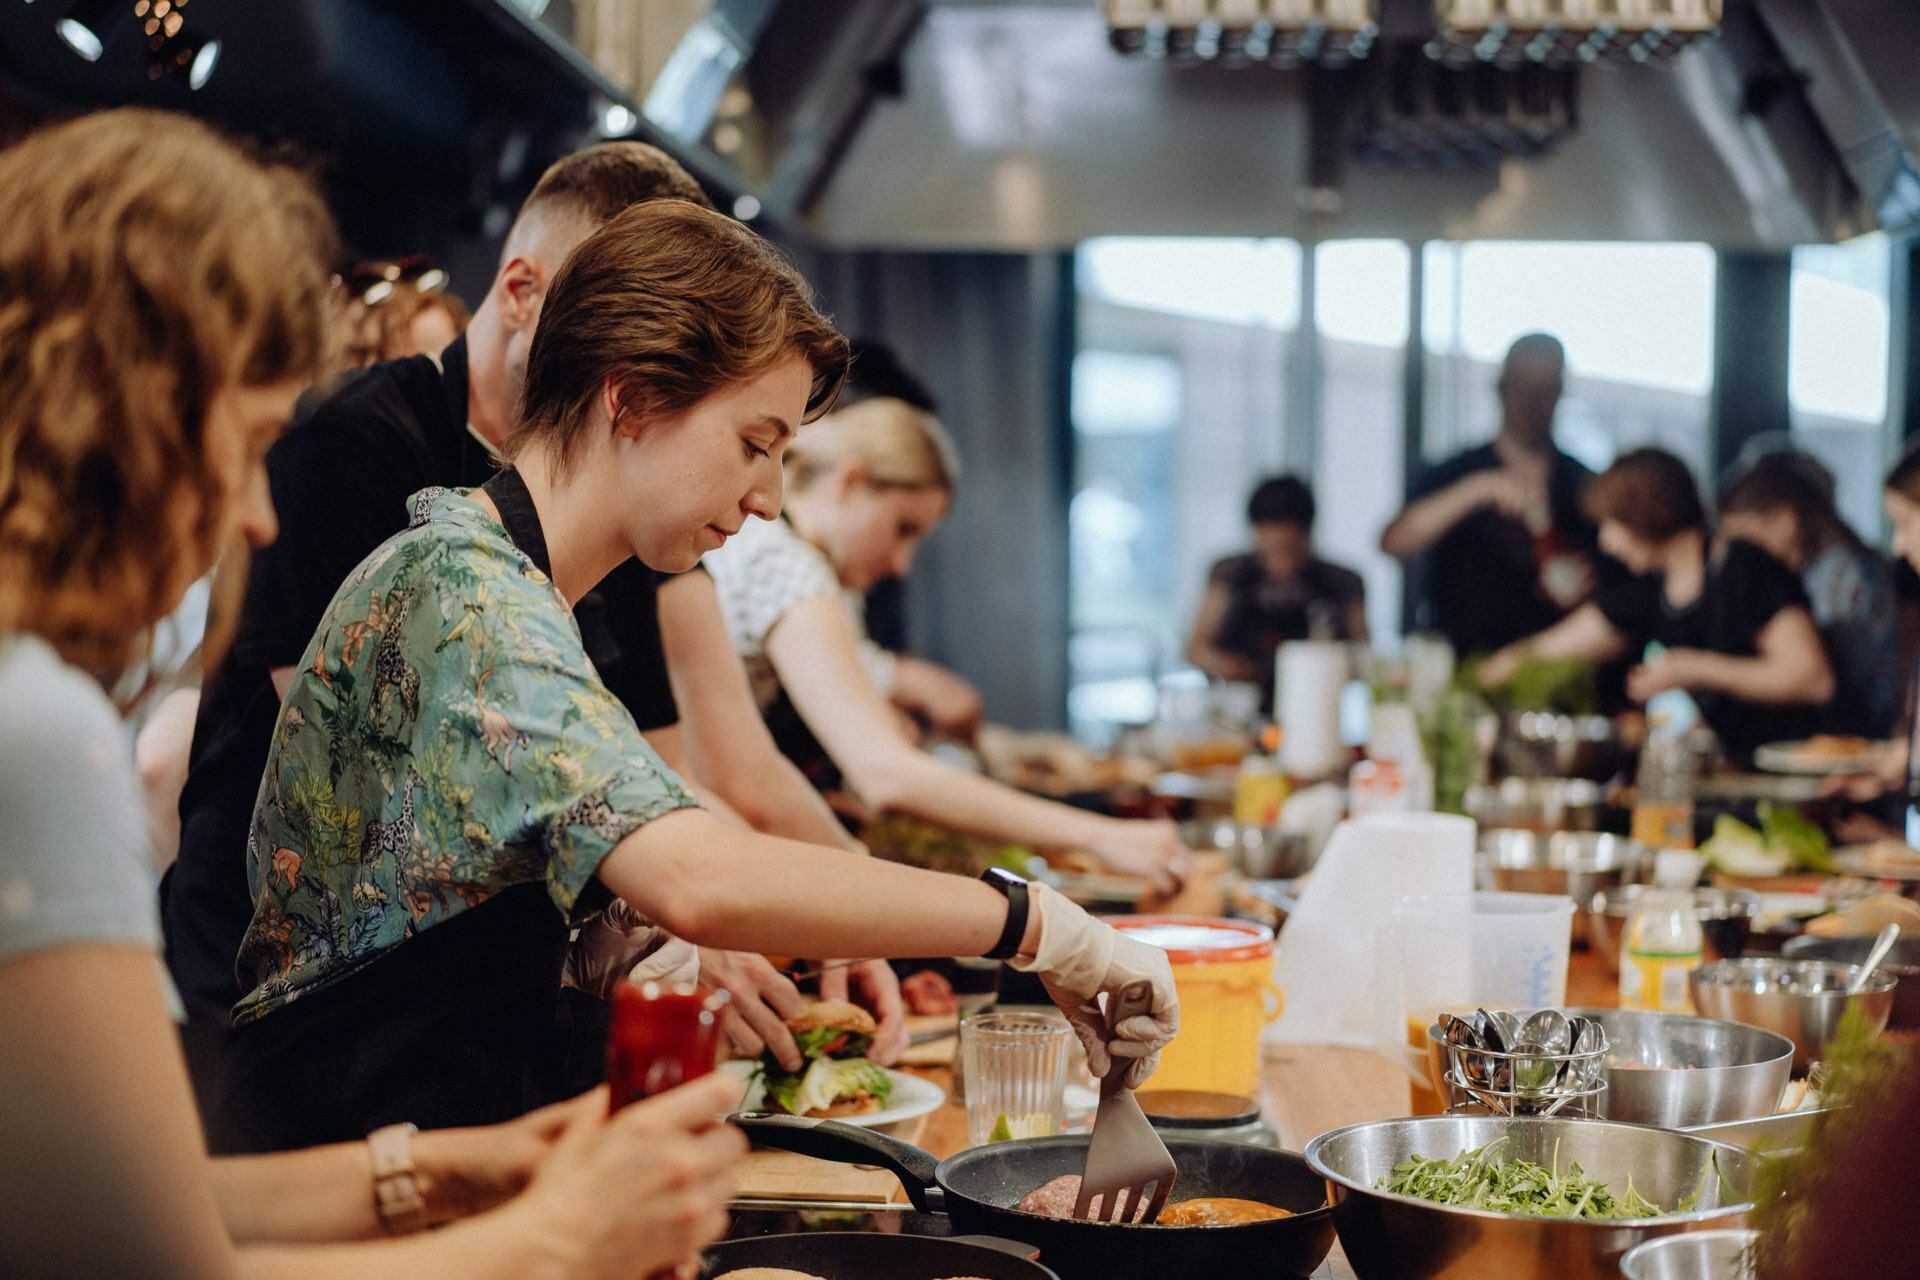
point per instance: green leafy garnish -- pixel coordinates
(1785, 841)
(1478, 1180)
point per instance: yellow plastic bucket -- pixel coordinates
(1224, 972)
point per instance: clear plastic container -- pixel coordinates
(1662, 946)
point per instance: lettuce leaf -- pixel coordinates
(1739, 850)
(1787, 830)
(828, 1080)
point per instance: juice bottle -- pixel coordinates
(1663, 800)
(1662, 945)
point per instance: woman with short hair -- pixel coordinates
(1732, 622)
(451, 788)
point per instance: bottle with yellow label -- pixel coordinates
(1661, 947)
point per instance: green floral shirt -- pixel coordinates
(444, 738)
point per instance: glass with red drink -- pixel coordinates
(662, 1036)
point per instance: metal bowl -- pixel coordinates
(1256, 852)
(1537, 804)
(1697, 1255)
(1903, 962)
(1578, 864)
(1691, 1070)
(1726, 922)
(1393, 1237)
(1800, 999)
(1537, 744)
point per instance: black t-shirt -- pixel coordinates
(1263, 614)
(1483, 577)
(341, 478)
(1744, 590)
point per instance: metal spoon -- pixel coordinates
(1881, 945)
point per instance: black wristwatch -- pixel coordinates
(1015, 891)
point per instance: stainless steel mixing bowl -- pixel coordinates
(1392, 1237)
(1802, 1000)
(1726, 922)
(1697, 1255)
(1578, 864)
(1256, 852)
(1688, 1070)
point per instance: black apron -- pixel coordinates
(465, 1023)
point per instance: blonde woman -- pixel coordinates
(160, 308)
(864, 486)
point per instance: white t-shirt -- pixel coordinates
(760, 575)
(74, 863)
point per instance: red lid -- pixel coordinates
(1199, 939)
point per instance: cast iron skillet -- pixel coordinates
(978, 1189)
(850, 1255)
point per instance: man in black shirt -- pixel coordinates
(342, 478)
(1509, 550)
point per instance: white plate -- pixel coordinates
(1853, 861)
(912, 1096)
(1793, 757)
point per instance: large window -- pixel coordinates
(1637, 321)
(1837, 358)
(1201, 369)
(1179, 405)
(1360, 307)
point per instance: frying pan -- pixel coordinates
(860, 1255)
(978, 1189)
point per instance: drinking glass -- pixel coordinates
(1016, 1069)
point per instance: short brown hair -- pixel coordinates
(675, 302)
(146, 265)
(599, 181)
(1651, 493)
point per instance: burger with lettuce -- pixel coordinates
(837, 1079)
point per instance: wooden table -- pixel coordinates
(1306, 1090)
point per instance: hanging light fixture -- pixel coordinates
(181, 50)
(90, 25)
(1567, 32)
(1282, 32)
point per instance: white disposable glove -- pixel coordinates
(1079, 960)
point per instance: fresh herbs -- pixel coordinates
(1478, 1179)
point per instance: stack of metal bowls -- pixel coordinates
(1395, 1237)
(1256, 852)
(1538, 744)
(1675, 1071)
(1579, 864)
(1726, 922)
(1802, 1000)
(1697, 1255)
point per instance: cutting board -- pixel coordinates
(933, 1053)
(781, 1175)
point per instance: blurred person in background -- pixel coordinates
(1506, 543)
(162, 309)
(387, 310)
(864, 486)
(1733, 623)
(1783, 503)
(1897, 778)
(1279, 591)
(451, 788)
(342, 478)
